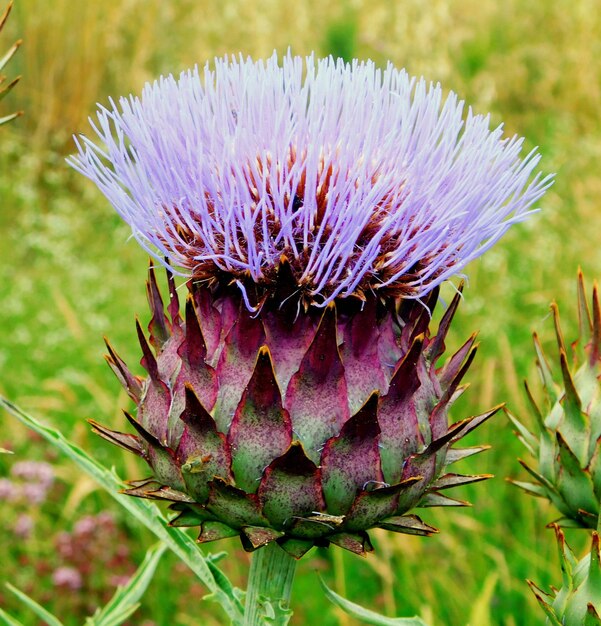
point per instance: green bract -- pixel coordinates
(578, 601)
(568, 447)
(301, 426)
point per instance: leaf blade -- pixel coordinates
(365, 615)
(38, 609)
(144, 511)
(126, 598)
(8, 620)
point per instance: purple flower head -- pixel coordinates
(34, 471)
(8, 490)
(68, 578)
(363, 179)
(34, 493)
(23, 526)
(86, 526)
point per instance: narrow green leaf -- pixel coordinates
(592, 617)
(539, 477)
(126, 598)
(551, 491)
(458, 454)
(223, 582)
(117, 617)
(39, 610)
(5, 15)
(573, 482)
(480, 613)
(575, 423)
(524, 435)
(585, 323)
(144, 511)
(558, 332)
(6, 90)
(549, 612)
(567, 560)
(8, 620)
(545, 371)
(545, 606)
(534, 490)
(8, 56)
(596, 339)
(534, 406)
(9, 118)
(568, 522)
(367, 616)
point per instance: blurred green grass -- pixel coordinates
(68, 274)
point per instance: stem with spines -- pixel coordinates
(269, 583)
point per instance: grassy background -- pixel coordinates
(68, 274)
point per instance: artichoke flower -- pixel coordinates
(314, 209)
(567, 447)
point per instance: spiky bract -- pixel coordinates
(578, 601)
(567, 445)
(305, 429)
(4, 90)
(366, 180)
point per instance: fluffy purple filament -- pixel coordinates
(363, 178)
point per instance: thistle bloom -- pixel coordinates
(366, 180)
(314, 207)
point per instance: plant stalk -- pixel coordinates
(269, 586)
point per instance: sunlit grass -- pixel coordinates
(68, 274)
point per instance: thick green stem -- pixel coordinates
(269, 586)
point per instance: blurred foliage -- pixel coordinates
(68, 273)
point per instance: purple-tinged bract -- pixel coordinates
(303, 428)
(363, 179)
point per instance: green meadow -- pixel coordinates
(69, 275)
